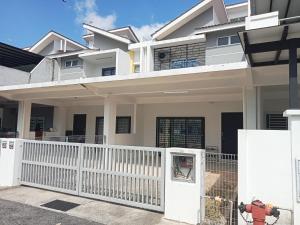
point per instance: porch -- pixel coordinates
(189, 111)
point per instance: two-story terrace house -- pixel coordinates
(190, 86)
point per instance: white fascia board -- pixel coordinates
(169, 42)
(178, 22)
(243, 4)
(153, 74)
(96, 53)
(57, 35)
(70, 53)
(106, 33)
(228, 26)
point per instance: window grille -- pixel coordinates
(180, 132)
(123, 125)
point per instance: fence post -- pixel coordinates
(79, 165)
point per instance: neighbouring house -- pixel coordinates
(191, 85)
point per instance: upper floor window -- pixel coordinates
(72, 63)
(228, 40)
(108, 71)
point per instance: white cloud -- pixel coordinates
(87, 12)
(144, 32)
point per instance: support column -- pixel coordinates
(293, 81)
(294, 127)
(250, 108)
(59, 120)
(109, 127)
(24, 116)
(149, 59)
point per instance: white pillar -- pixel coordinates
(294, 127)
(60, 120)
(109, 127)
(24, 116)
(149, 59)
(142, 63)
(250, 108)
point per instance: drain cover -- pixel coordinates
(60, 205)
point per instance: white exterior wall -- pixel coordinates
(211, 112)
(122, 62)
(264, 169)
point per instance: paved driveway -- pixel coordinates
(25, 203)
(13, 213)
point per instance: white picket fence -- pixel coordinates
(127, 175)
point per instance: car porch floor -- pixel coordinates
(89, 210)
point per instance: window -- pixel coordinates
(228, 40)
(109, 71)
(123, 125)
(37, 123)
(180, 132)
(276, 122)
(223, 41)
(137, 68)
(234, 39)
(72, 63)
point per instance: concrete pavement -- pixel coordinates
(92, 210)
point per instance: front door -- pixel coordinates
(79, 127)
(231, 123)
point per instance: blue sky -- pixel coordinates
(23, 22)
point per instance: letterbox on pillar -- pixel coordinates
(10, 161)
(184, 184)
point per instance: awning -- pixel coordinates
(285, 8)
(11, 56)
(270, 46)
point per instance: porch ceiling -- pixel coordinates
(222, 85)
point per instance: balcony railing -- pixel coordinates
(182, 56)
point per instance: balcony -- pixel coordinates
(182, 56)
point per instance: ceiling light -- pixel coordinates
(175, 92)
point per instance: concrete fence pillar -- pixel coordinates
(109, 127)
(294, 127)
(24, 116)
(184, 185)
(251, 103)
(10, 161)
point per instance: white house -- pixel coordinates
(190, 86)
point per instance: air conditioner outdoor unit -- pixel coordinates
(163, 56)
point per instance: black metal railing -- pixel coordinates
(181, 56)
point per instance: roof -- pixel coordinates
(134, 38)
(106, 33)
(287, 8)
(49, 37)
(189, 15)
(235, 24)
(11, 56)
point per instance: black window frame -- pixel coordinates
(186, 119)
(118, 118)
(112, 71)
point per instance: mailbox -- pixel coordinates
(183, 167)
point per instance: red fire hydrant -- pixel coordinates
(259, 212)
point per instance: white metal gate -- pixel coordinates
(127, 175)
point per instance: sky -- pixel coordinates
(24, 22)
